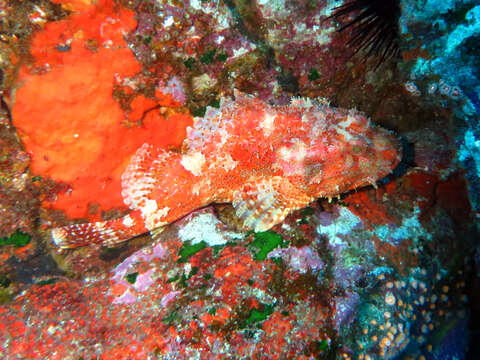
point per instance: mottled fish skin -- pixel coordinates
(265, 160)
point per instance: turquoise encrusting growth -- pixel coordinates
(448, 32)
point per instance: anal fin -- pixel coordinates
(265, 202)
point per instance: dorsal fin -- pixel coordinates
(221, 123)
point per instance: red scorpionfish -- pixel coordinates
(265, 160)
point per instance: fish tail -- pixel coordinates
(107, 233)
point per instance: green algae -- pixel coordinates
(307, 211)
(171, 318)
(147, 40)
(214, 103)
(306, 214)
(207, 276)
(132, 278)
(5, 296)
(265, 242)
(47, 281)
(185, 277)
(313, 74)
(173, 279)
(4, 281)
(222, 57)
(321, 345)
(189, 63)
(199, 112)
(259, 314)
(208, 57)
(277, 260)
(212, 311)
(187, 250)
(217, 249)
(18, 239)
(182, 280)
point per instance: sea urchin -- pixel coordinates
(374, 26)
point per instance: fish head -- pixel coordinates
(345, 151)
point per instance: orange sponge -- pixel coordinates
(66, 115)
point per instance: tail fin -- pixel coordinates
(108, 233)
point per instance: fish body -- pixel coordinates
(265, 160)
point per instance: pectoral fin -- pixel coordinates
(263, 203)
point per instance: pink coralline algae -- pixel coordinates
(267, 161)
(199, 309)
(123, 291)
(300, 259)
(175, 87)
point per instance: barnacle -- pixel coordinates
(374, 27)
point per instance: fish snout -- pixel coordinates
(387, 148)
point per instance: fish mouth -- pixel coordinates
(376, 160)
(384, 155)
(388, 150)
